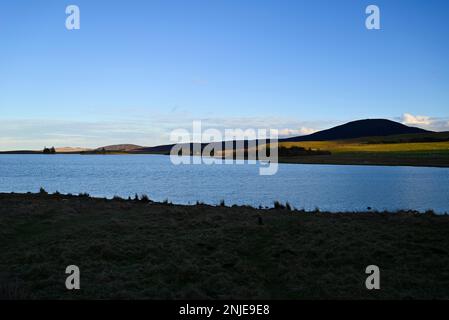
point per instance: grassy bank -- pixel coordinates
(402, 150)
(420, 150)
(140, 249)
(409, 158)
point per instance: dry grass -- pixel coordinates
(134, 249)
(355, 146)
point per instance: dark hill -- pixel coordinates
(359, 129)
(351, 130)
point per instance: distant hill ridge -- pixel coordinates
(120, 147)
(350, 130)
(360, 129)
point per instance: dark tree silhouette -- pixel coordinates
(51, 150)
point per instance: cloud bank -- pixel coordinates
(35, 134)
(154, 129)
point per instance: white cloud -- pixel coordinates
(425, 122)
(306, 131)
(295, 132)
(410, 119)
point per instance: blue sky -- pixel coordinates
(138, 69)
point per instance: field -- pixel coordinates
(349, 146)
(427, 150)
(139, 249)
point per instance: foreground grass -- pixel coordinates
(144, 250)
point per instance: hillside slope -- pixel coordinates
(359, 129)
(352, 130)
(120, 147)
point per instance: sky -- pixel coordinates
(136, 70)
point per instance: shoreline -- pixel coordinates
(424, 160)
(277, 205)
(138, 249)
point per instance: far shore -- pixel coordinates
(414, 159)
(139, 249)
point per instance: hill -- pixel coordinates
(359, 129)
(120, 148)
(373, 128)
(364, 142)
(351, 130)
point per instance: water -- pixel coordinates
(333, 188)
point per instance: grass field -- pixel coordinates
(346, 146)
(427, 150)
(412, 158)
(145, 250)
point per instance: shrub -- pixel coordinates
(84, 195)
(51, 150)
(429, 213)
(300, 151)
(278, 205)
(42, 191)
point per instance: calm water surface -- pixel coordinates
(334, 188)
